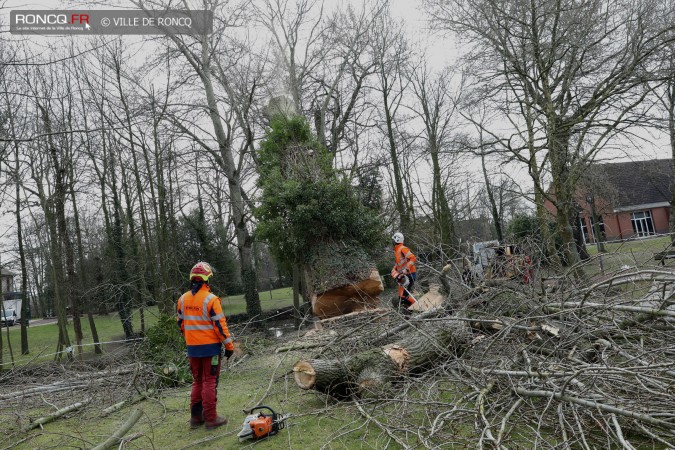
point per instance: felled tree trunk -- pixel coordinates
(341, 278)
(359, 295)
(373, 369)
(343, 377)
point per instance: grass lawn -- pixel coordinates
(638, 252)
(42, 339)
(315, 420)
(645, 245)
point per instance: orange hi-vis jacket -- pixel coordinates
(405, 260)
(202, 322)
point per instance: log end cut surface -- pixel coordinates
(399, 356)
(305, 375)
(430, 300)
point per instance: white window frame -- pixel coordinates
(641, 221)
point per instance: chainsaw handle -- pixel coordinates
(250, 411)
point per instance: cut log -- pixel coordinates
(372, 369)
(169, 369)
(357, 296)
(430, 300)
(319, 374)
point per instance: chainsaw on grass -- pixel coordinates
(260, 425)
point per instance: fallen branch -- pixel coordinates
(301, 346)
(625, 308)
(41, 390)
(397, 329)
(127, 402)
(381, 426)
(601, 406)
(117, 436)
(55, 415)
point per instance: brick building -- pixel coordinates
(631, 199)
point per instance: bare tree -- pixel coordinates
(436, 106)
(391, 53)
(199, 53)
(576, 65)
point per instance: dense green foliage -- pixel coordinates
(163, 346)
(522, 227)
(201, 241)
(304, 203)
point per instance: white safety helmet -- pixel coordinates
(397, 238)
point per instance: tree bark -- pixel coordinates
(63, 238)
(395, 162)
(84, 279)
(671, 130)
(25, 303)
(371, 370)
(55, 415)
(496, 216)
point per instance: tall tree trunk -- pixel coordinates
(243, 237)
(140, 259)
(558, 142)
(59, 200)
(136, 267)
(542, 214)
(57, 281)
(56, 261)
(494, 209)
(25, 304)
(399, 193)
(445, 223)
(121, 275)
(83, 278)
(202, 64)
(671, 129)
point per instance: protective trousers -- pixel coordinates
(204, 384)
(404, 293)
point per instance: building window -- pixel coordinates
(642, 222)
(584, 230)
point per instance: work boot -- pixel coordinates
(215, 423)
(196, 422)
(197, 413)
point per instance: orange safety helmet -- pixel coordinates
(201, 270)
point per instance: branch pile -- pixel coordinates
(581, 366)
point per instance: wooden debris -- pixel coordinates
(371, 368)
(118, 435)
(55, 415)
(430, 300)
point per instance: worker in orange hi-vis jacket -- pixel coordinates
(203, 324)
(404, 271)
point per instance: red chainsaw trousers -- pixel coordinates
(204, 385)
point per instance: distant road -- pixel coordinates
(40, 322)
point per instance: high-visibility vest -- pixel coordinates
(404, 259)
(202, 322)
